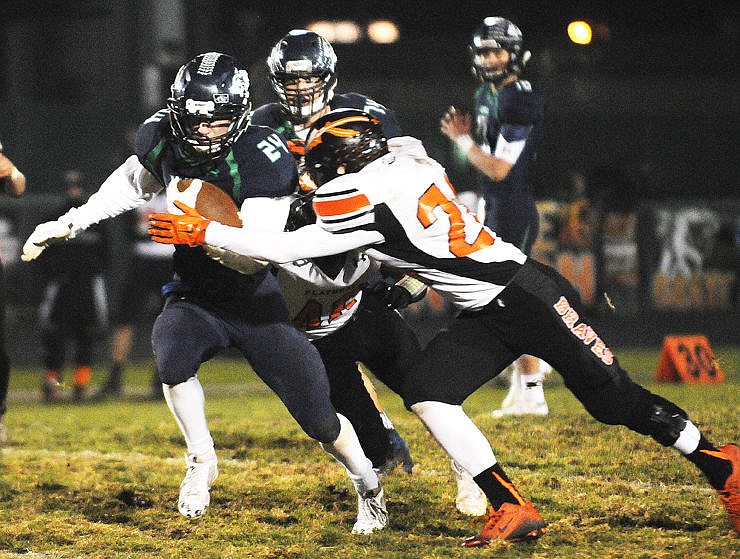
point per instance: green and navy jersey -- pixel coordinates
(515, 112)
(257, 165)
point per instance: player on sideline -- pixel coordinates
(399, 206)
(13, 183)
(509, 121)
(204, 133)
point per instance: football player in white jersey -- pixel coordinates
(396, 203)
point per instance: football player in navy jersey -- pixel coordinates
(13, 183)
(391, 200)
(204, 135)
(509, 115)
(302, 70)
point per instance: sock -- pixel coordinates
(347, 451)
(713, 463)
(457, 434)
(497, 487)
(187, 402)
(82, 375)
(387, 423)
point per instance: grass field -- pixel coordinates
(101, 480)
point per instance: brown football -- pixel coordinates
(210, 201)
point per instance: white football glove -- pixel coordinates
(45, 234)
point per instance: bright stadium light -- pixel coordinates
(383, 31)
(337, 31)
(579, 32)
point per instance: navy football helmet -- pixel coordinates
(304, 55)
(498, 33)
(211, 87)
(343, 141)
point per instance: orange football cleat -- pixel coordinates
(510, 523)
(729, 497)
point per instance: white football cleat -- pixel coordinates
(470, 498)
(371, 512)
(195, 488)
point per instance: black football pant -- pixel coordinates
(539, 313)
(380, 339)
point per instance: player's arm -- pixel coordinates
(128, 187)
(311, 241)
(509, 146)
(14, 181)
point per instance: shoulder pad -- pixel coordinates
(519, 103)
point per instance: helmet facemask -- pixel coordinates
(302, 72)
(497, 33)
(209, 89)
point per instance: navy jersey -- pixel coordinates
(515, 112)
(273, 116)
(258, 165)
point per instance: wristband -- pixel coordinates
(464, 142)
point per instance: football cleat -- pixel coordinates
(729, 497)
(522, 407)
(470, 498)
(51, 391)
(510, 523)
(195, 488)
(371, 512)
(399, 455)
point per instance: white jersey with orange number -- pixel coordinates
(402, 210)
(323, 295)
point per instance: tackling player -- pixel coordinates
(398, 205)
(509, 118)
(204, 133)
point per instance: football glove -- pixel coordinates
(186, 229)
(399, 295)
(45, 234)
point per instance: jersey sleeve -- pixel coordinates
(150, 142)
(519, 104)
(341, 208)
(386, 116)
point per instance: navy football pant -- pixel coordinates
(539, 313)
(513, 216)
(185, 335)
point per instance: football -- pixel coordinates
(210, 201)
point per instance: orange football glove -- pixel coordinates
(171, 229)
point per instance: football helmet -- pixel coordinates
(343, 141)
(306, 56)
(498, 33)
(209, 88)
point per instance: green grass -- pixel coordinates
(101, 480)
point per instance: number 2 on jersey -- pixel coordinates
(432, 198)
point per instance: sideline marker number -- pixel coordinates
(688, 359)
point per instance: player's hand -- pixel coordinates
(390, 295)
(6, 166)
(455, 124)
(186, 229)
(45, 234)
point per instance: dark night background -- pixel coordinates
(655, 93)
